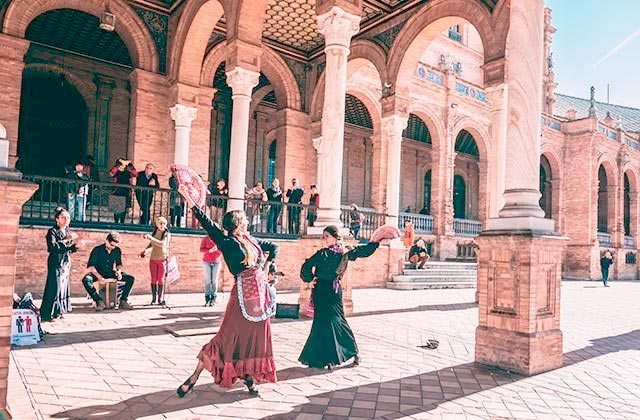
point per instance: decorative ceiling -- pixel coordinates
(466, 144)
(54, 28)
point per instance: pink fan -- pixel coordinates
(192, 181)
(385, 232)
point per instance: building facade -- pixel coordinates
(389, 105)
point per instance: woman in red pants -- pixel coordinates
(159, 248)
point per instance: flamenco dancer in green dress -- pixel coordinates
(331, 341)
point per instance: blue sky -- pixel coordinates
(588, 30)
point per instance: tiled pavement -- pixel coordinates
(127, 365)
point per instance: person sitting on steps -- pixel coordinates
(105, 262)
(418, 255)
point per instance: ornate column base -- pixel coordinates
(519, 301)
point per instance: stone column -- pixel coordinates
(392, 128)
(294, 138)
(519, 258)
(183, 116)
(12, 51)
(14, 192)
(338, 27)
(242, 82)
(104, 94)
(498, 96)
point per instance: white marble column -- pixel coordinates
(183, 116)
(392, 128)
(338, 27)
(242, 82)
(4, 148)
(524, 67)
(498, 98)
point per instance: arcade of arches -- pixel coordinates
(394, 106)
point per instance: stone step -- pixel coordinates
(430, 285)
(424, 279)
(439, 272)
(444, 265)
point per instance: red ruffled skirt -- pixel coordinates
(240, 348)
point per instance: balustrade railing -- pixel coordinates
(467, 227)
(422, 223)
(604, 239)
(629, 242)
(361, 223)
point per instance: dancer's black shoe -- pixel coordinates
(251, 385)
(181, 392)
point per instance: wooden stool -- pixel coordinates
(108, 291)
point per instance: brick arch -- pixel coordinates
(433, 122)
(189, 42)
(369, 51)
(371, 103)
(317, 99)
(554, 163)
(632, 173)
(282, 79)
(611, 170)
(430, 21)
(212, 61)
(480, 135)
(86, 90)
(129, 26)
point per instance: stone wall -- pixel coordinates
(31, 263)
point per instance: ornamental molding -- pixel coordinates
(242, 81)
(338, 27)
(183, 115)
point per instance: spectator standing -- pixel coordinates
(294, 194)
(77, 193)
(274, 196)
(256, 196)
(605, 263)
(122, 173)
(218, 200)
(145, 196)
(212, 262)
(355, 221)
(176, 209)
(314, 203)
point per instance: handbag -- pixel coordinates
(172, 272)
(287, 310)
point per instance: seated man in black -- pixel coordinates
(105, 262)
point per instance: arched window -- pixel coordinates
(459, 197)
(627, 206)
(545, 187)
(603, 207)
(426, 205)
(271, 166)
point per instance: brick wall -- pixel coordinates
(32, 257)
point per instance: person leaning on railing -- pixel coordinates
(122, 173)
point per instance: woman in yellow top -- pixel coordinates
(159, 249)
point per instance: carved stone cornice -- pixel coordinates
(183, 115)
(338, 27)
(242, 81)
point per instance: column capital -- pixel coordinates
(183, 115)
(242, 81)
(338, 26)
(394, 125)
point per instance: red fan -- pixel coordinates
(385, 232)
(194, 183)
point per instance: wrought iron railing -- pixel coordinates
(629, 242)
(467, 227)
(422, 223)
(604, 239)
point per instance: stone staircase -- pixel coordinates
(436, 275)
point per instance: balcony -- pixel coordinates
(629, 242)
(467, 227)
(456, 36)
(422, 223)
(604, 239)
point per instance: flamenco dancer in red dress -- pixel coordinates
(242, 347)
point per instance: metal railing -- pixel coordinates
(422, 223)
(604, 239)
(629, 242)
(361, 223)
(467, 227)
